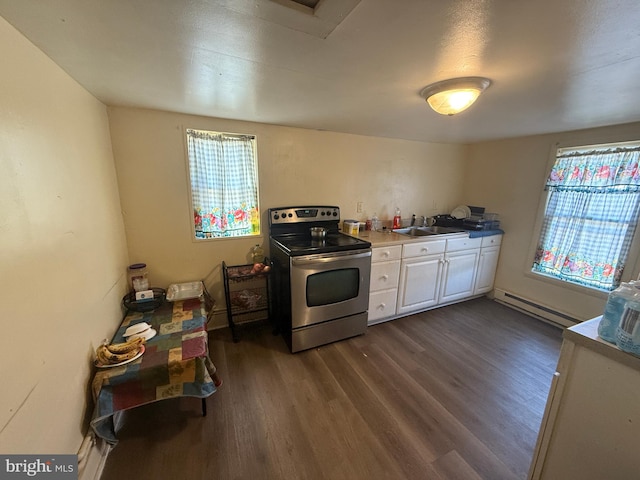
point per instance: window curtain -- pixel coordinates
(224, 184)
(591, 216)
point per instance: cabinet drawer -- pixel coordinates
(491, 241)
(383, 254)
(417, 249)
(384, 275)
(382, 304)
(456, 244)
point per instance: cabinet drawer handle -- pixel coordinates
(425, 249)
(385, 277)
(385, 254)
(382, 305)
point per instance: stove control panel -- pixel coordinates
(303, 214)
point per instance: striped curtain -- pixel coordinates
(224, 184)
(591, 216)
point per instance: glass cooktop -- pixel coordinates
(301, 244)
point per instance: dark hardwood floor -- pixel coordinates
(453, 393)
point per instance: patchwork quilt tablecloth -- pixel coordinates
(175, 363)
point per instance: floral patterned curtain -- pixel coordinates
(224, 184)
(591, 216)
(594, 170)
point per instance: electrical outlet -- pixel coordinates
(359, 207)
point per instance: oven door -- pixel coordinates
(329, 286)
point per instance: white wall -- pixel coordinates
(62, 249)
(296, 166)
(507, 177)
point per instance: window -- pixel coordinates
(223, 173)
(593, 198)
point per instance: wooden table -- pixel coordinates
(175, 363)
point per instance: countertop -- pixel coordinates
(379, 239)
(586, 334)
(485, 233)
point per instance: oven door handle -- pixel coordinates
(329, 258)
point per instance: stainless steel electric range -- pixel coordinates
(320, 286)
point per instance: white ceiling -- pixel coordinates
(556, 65)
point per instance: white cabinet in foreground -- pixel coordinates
(591, 424)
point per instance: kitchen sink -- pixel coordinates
(426, 231)
(414, 231)
(439, 230)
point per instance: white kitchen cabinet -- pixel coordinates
(591, 425)
(459, 269)
(383, 286)
(487, 264)
(458, 275)
(382, 305)
(425, 272)
(420, 274)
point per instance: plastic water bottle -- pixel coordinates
(375, 223)
(628, 331)
(257, 254)
(613, 310)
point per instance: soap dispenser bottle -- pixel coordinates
(397, 219)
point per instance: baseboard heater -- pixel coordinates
(534, 309)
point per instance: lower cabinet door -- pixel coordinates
(382, 304)
(486, 269)
(419, 282)
(459, 275)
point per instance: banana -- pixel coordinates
(106, 357)
(121, 357)
(125, 347)
(101, 356)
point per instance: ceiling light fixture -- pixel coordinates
(449, 97)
